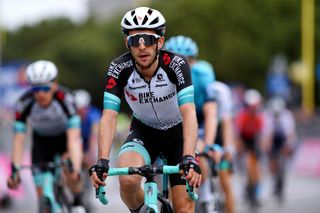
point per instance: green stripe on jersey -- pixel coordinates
(111, 101)
(186, 95)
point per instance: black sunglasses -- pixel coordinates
(147, 39)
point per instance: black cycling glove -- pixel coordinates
(189, 162)
(102, 166)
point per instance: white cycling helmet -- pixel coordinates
(252, 97)
(143, 18)
(41, 72)
(82, 98)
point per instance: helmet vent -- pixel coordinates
(156, 20)
(127, 22)
(135, 20)
(144, 20)
(150, 11)
(133, 12)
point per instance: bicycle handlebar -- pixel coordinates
(144, 171)
(49, 165)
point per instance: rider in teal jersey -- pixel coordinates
(207, 106)
(203, 76)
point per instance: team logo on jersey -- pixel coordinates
(159, 77)
(111, 83)
(149, 97)
(175, 65)
(131, 96)
(137, 80)
(166, 59)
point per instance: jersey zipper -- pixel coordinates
(152, 102)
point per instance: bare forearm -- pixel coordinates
(18, 145)
(210, 122)
(106, 133)
(190, 129)
(75, 148)
(227, 131)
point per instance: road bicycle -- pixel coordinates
(152, 194)
(216, 204)
(48, 175)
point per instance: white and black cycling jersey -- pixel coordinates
(223, 99)
(47, 121)
(155, 102)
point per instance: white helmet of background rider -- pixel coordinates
(82, 98)
(41, 72)
(252, 97)
(276, 104)
(143, 18)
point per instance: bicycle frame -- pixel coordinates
(47, 180)
(150, 186)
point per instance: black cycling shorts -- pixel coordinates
(45, 148)
(168, 142)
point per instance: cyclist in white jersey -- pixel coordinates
(280, 137)
(157, 86)
(225, 138)
(49, 110)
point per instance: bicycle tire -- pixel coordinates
(165, 205)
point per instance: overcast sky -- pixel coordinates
(15, 13)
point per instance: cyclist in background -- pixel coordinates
(90, 117)
(280, 136)
(202, 74)
(157, 86)
(49, 110)
(249, 124)
(225, 138)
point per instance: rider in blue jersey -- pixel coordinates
(90, 117)
(202, 74)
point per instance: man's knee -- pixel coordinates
(129, 184)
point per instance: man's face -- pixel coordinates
(44, 93)
(143, 45)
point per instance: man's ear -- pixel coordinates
(161, 42)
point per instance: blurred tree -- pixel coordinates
(239, 38)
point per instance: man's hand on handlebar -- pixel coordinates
(14, 180)
(191, 170)
(98, 173)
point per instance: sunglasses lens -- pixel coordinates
(41, 88)
(135, 40)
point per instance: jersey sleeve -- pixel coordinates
(114, 86)
(23, 107)
(66, 99)
(181, 68)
